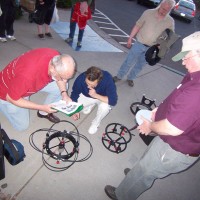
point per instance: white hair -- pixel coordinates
(60, 66)
(171, 3)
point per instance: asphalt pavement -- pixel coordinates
(95, 165)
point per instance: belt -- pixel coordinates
(146, 45)
(193, 155)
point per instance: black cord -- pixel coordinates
(70, 158)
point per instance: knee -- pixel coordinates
(22, 126)
(105, 107)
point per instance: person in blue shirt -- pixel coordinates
(94, 87)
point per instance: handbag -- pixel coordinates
(151, 55)
(11, 149)
(55, 17)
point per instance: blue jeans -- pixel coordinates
(73, 28)
(20, 117)
(159, 161)
(135, 60)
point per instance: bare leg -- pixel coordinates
(46, 28)
(39, 27)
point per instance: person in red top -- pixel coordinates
(42, 69)
(81, 18)
(83, 9)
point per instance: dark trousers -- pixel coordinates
(6, 21)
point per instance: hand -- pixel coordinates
(67, 99)
(92, 92)
(129, 43)
(153, 114)
(76, 116)
(144, 128)
(48, 109)
(84, 7)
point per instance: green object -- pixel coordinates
(77, 110)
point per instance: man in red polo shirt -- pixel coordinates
(42, 69)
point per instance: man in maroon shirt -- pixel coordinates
(42, 69)
(177, 123)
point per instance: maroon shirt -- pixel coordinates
(182, 109)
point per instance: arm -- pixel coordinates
(134, 31)
(77, 87)
(92, 93)
(62, 87)
(23, 103)
(162, 127)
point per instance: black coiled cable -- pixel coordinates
(63, 137)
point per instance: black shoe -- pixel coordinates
(126, 171)
(115, 79)
(79, 44)
(69, 40)
(41, 36)
(110, 191)
(48, 35)
(50, 117)
(130, 83)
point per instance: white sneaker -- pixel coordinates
(93, 129)
(87, 110)
(3, 39)
(11, 37)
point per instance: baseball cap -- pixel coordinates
(189, 43)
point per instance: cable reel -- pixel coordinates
(62, 146)
(116, 137)
(65, 139)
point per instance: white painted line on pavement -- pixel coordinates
(126, 36)
(103, 22)
(109, 28)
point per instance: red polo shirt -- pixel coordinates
(26, 74)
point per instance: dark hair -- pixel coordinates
(94, 73)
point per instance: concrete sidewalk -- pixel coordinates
(31, 180)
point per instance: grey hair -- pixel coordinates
(171, 3)
(57, 62)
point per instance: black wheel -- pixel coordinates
(136, 106)
(116, 138)
(120, 130)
